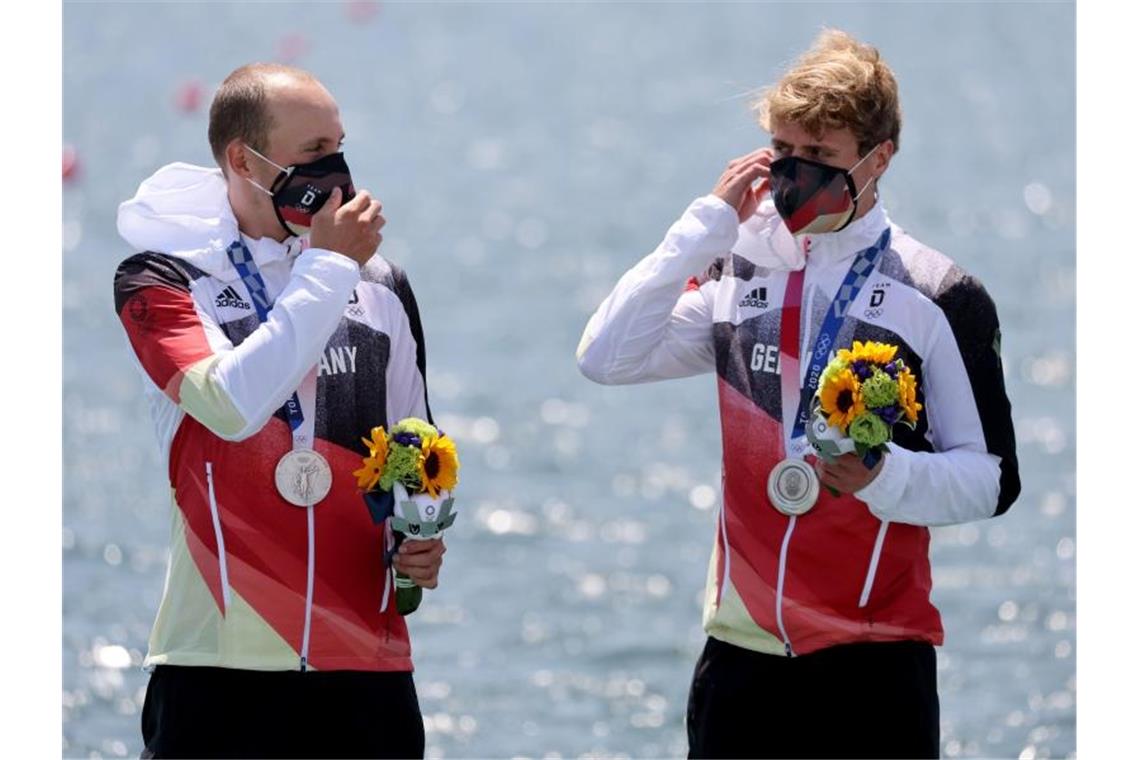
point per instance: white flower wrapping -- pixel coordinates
(420, 517)
(828, 441)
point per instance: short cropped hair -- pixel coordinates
(239, 107)
(840, 83)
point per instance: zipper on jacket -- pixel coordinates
(780, 587)
(217, 520)
(804, 348)
(308, 595)
(873, 567)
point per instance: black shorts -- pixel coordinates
(854, 700)
(222, 712)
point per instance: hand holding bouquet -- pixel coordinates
(415, 467)
(863, 393)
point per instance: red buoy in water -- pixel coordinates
(292, 46)
(361, 11)
(188, 96)
(70, 163)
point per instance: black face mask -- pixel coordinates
(813, 197)
(300, 190)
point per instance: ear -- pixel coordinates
(882, 159)
(237, 159)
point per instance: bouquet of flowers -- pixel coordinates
(407, 479)
(863, 393)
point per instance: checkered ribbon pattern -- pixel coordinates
(853, 282)
(857, 276)
(242, 260)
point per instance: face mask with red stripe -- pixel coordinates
(813, 197)
(300, 190)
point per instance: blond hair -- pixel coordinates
(840, 83)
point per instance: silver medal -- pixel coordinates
(303, 477)
(793, 487)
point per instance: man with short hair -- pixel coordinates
(821, 630)
(271, 339)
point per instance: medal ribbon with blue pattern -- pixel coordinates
(853, 282)
(247, 269)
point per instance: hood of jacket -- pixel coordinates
(184, 211)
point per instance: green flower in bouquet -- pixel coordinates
(415, 426)
(869, 430)
(880, 390)
(402, 466)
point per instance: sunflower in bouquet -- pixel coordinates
(863, 393)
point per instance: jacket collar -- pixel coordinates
(829, 247)
(764, 239)
(266, 250)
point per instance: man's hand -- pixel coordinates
(735, 185)
(420, 561)
(847, 474)
(352, 230)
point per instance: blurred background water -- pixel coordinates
(527, 155)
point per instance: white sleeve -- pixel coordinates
(972, 473)
(651, 328)
(260, 374)
(940, 488)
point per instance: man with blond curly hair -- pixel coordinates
(821, 629)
